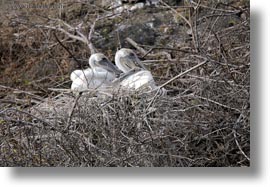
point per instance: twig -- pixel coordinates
(20, 101)
(167, 48)
(144, 52)
(219, 104)
(215, 9)
(118, 39)
(22, 91)
(237, 143)
(24, 112)
(184, 73)
(81, 37)
(60, 90)
(65, 32)
(178, 13)
(57, 39)
(134, 44)
(194, 30)
(92, 48)
(72, 110)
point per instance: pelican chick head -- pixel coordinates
(99, 60)
(126, 59)
(95, 58)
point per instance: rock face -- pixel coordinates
(146, 26)
(174, 2)
(139, 32)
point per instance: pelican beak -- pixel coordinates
(136, 62)
(108, 65)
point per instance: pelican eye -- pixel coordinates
(132, 54)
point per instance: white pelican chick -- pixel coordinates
(99, 76)
(126, 60)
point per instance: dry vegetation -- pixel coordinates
(204, 120)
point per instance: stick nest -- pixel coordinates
(127, 130)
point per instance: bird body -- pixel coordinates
(103, 73)
(81, 79)
(126, 60)
(139, 80)
(76, 74)
(99, 76)
(95, 79)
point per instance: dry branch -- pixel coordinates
(184, 73)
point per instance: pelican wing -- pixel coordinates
(138, 80)
(131, 61)
(126, 75)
